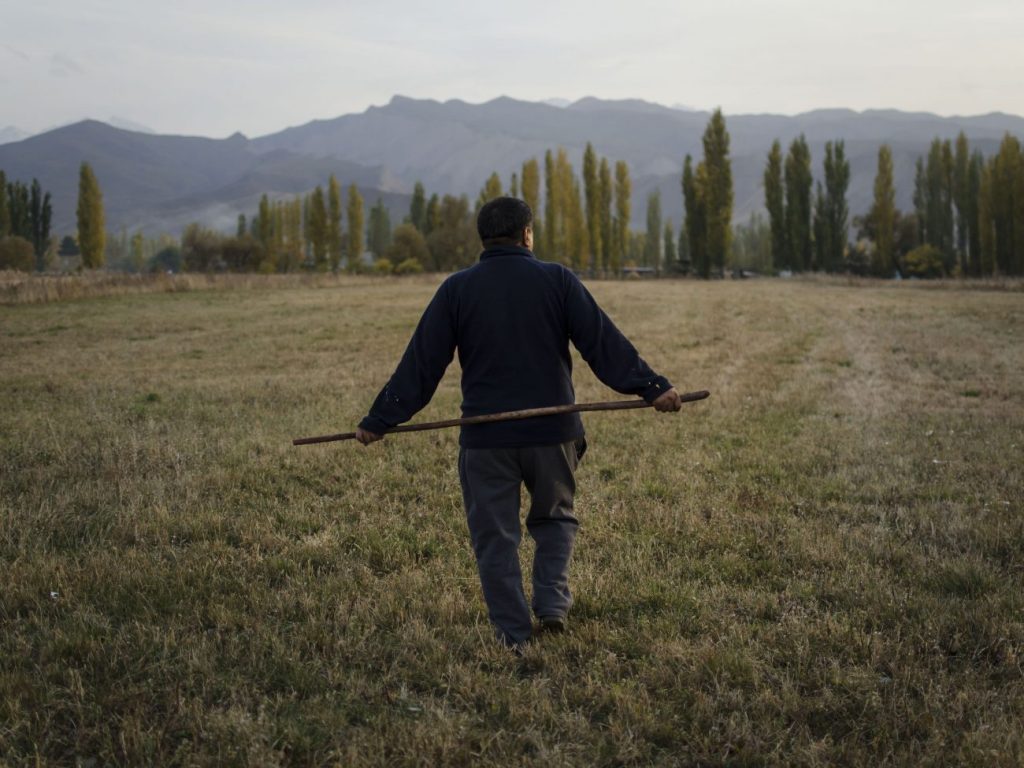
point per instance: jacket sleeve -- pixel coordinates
(420, 370)
(609, 354)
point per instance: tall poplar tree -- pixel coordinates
(491, 190)
(418, 208)
(5, 213)
(718, 194)
(604, 176)
(623, 211)
(820, 229)
(798, 182)
(837, 210)
(696, 218)
(652, 244)
(550, 207)
(92, 232)
(774, 199)
(962, 200)
(592, 192)
(265, 227)
(669, 255)
(531, 196)
(1007, 200)
(318, 229)
(974, 172)
(883, 214)
(334, 223)
(986, 219)
(937, 199)
(40, 216)
(433, 217)
(379, 230)
(356, 220)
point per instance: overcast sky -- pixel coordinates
(211, 67)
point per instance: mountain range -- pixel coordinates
(160, 183)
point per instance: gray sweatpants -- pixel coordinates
(491, 482)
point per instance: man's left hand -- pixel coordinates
(365, 437)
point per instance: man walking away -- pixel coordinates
(511, 318)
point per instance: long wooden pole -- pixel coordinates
(616, 405)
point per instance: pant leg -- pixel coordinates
(549, 473)
(491, 479)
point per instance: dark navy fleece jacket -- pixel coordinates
(511, 317)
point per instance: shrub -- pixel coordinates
(17, 253)
(923, 261)
(409, 267)
(382, 266)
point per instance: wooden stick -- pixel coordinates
(616, 405)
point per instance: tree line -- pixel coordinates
(968, 219)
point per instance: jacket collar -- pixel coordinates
(506, 250)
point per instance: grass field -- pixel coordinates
(822, 564)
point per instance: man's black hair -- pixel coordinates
(503, 220)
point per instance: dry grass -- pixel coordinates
(822, 564)
(26, 288)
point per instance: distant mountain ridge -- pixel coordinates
(160, 183)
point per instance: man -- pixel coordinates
(511, 317)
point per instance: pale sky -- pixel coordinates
(211, 67)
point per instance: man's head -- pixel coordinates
(505, 221)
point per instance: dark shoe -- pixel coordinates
(552, 625)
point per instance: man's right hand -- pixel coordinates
(668, 402)
(365, 437)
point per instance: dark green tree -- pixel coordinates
(379, 232)
(671, 258)
(695, 218)
(1007, 203)
(775, 202)
(718, 193)
(418, 208)
(40, 216)
(798, 182)
(432, 216)
(837, 210)
(883, 214)
(265, 223)
(318, 229)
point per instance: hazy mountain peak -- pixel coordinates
(12, 133)
(594, 104)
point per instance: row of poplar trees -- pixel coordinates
(306, 231)
(968, 216)
(582, 225)
(969, 209)
(585, 223)
(26, 214)
(808, 233)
